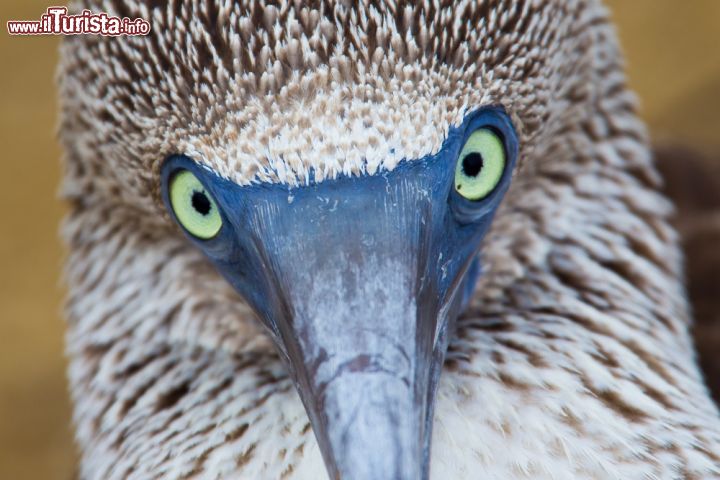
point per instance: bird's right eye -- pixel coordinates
(480, 165)
(193, 206)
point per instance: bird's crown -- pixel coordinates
(285, 91)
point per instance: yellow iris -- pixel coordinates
(193, 205)
(480, 165)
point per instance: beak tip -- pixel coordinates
(371, 425)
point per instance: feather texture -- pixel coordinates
(574, 359)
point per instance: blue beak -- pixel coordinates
(359, 282)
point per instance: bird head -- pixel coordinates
(340, 165)
(358, 279)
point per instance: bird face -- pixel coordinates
(339, 163)
(358, 280)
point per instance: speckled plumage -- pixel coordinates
(574, 359)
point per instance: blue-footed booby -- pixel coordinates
(371, 240)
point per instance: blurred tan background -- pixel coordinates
(674, 64)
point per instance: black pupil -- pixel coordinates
(472, 164)
(201, 203)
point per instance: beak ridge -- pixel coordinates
(362, 370)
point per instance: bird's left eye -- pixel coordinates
(193, 206)
(480, 165)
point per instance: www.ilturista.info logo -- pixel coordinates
(56, 21)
